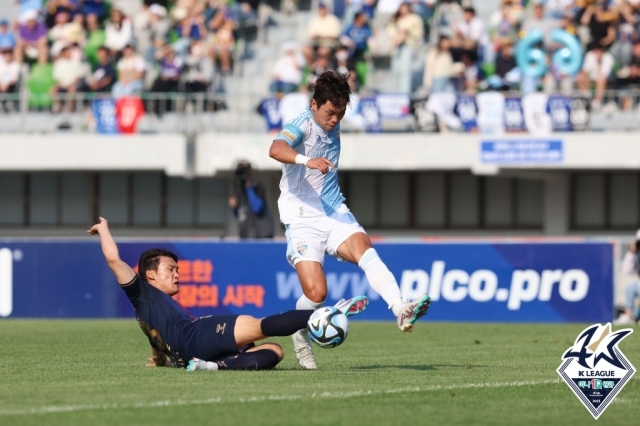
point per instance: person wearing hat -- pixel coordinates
(287, 72)
(7, 37)
(32, 38)
(631, 266)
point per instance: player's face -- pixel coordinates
(166, 278)
(327, 116)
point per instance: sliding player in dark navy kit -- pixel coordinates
(209, 343)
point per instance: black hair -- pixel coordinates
(150, 259)
(105, 49)
(470, 10)
(333, 87)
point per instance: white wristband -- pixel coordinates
(301, 159)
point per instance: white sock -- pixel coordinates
(304, 303)
(381, 279)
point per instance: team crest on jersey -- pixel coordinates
(594, 367)
(301, 248)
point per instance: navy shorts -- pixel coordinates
(213, 339)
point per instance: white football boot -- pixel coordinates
(302, 348)
(353, 306)
(410, 312)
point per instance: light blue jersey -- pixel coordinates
(306, 194)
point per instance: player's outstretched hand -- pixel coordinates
(102, 225)
(321, 164)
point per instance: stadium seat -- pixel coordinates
(96, 40)
(39, 84)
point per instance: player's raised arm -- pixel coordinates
(282, 151)
(123, 272)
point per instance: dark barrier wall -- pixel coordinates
(506, 282)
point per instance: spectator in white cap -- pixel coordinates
(631, 266)
(287, 71)
(32, 38)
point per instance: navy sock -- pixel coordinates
(286, 323)
(264, 359)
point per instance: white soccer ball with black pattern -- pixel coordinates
(328, 327)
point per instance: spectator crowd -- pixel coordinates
(457, 51)
(94, 46)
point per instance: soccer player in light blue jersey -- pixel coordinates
(316, 219)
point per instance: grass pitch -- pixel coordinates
(92, 373)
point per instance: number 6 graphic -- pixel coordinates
(532, 60)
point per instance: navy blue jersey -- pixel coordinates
(167, 324)
(513, 115)
(559, 108)
(270, 110)
(467, 111)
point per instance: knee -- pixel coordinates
(274, 347)
(316, 294)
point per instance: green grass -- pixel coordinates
(379, 376)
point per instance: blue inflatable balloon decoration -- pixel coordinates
(568, 59)
(531, 60)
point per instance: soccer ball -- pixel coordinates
(328, 327)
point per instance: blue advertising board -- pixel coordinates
(489, 282)
(521, 151)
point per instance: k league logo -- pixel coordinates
(595, 369)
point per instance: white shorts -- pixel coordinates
(311, 240)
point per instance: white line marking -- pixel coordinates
(219, 400)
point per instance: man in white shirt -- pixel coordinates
(287, 71)
(469, 34)
(631, 266)
(9, 76)
(597, 67)
(68, 74)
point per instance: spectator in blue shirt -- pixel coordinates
(7, 37)
(356, 36)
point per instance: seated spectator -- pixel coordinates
(505, 25)
(557, 9)
(104, 75)
(405, 31)
(7, 37)
(634, 71)
(467, 75)
(199, 69)
(66, 33)
(223, 44)
(627, 33)
(190, 28)
(438, 69)
(323, 30)
(170, 71)
(32, 38)
(469, 35)
(131, 68)
(152, 30)
(118, 31)
(68, 74)
(596, 69)
(504, 78)
(602, 32)
(9, 72)
(356, 36)
(287, 71)
(538, 21)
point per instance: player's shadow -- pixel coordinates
(432, 367)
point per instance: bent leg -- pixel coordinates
(262, 357)
(357, 249)
(249, 329)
